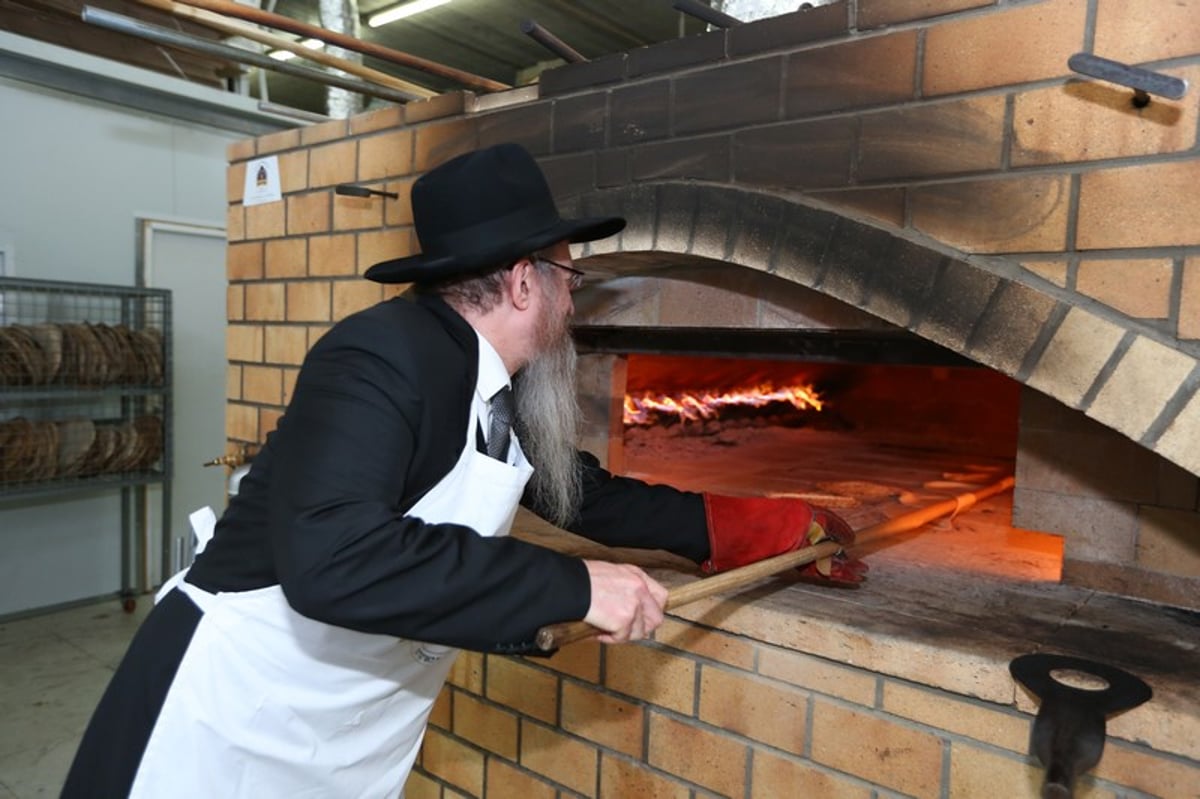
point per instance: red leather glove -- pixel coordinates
(743, 530)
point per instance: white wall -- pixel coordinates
(74, 176)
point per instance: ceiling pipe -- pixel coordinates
(710, 15)
(341, 16)
(551, 42)
(133, 27)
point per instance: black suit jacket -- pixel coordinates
(377, 418)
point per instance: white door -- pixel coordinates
(189, 260)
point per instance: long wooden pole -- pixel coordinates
(281, 22)
(553, 636)
(219, 23)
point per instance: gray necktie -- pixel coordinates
(502, 418)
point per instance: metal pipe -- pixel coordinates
(133, 27)
(708, 14)
(551, 42)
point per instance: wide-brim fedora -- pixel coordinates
(481, 210)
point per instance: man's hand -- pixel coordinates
(627, 604)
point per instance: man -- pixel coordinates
(303, 651)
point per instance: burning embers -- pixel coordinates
(649, 407)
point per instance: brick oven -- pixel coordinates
(983, 262)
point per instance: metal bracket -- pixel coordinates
(1143, 82)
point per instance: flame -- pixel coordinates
(693, 407)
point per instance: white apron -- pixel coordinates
(309, 709)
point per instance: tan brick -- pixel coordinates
(241, 422)
(875, 13)
(315, 332)
(263, 384)
(852, 74)
(233, 382)
(876, 749)
(284, 344)
(565, 760)
(886, 205)
(239, 150)
(324, 131)
(1145, 771)
(289, 384)
(1089, 120)
(380, 245)
(935, 139)
(505, 780)
(1145, 379)
(332, 255)
(698, 754)
(523, 688)
(580, 660)
(485, 725)
(621, 779)
(442, 105)
(440, 713)
(244, 261)
(933, 708)
(235, 182)
(1026, 43)
(265, 301)
(350, 296)
(398, 212)
(308, 301)
(356, 213)
(244, 343)
(440, 142)
(287, 258)
(467, 672)
(308, 213)
(265, 221)
(975, 772)
(452, 761)
(235, 223)
(370, 121)
(994, 216)
(655, 676)
(1053, 270)
(293, 171)
(1081, 346)
(1151, 205)
(421, 787)
(388, 155)
(235, 302)
(817, 674)
(774, 775)
(1189, 299)
(753, 707)
(707, 643)
(602, 718)
(280, 140)
(1169, 541)
(1123, 34)
(333, 163)
(268, 420)
(1137, 287)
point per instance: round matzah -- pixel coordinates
(50, 340)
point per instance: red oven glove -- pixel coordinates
(742, 530)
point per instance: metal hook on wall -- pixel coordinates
(1143, 82)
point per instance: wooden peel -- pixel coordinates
(553, 636)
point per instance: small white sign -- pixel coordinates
(262, 181)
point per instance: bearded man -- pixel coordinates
(303, 651)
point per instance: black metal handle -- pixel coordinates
(1136, 78)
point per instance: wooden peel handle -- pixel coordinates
(553, 636)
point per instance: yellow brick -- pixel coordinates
(741, 703)
(706, 643)
(287, 258)
(308, 301)
(817, 674)
(774, 775)
(332, 163)
(1053, 270)
(452, 761)
(1013, 45)
(263, 384)
(388, 155)
(324, 131)
(265, 301)
(266, 221)
(876, 749)
(293, 171)
(485, 725)
(421, 787)
(1123, 34)
(938, 709)
(235, 223)
(994, 216)
(1137, 287)
(235, 182)
(398, 212)
(239, 150)
(603, 718)
(380, 245)
(440, 713)
(580, 660)
(622, 779)
(268, 420)
(357, 213)
(652, 675)
(280, 140)
(235, 302)
(467, 672)
(1073, 359)
(523, 688)
(308, 213)
(506, 780)
(244, 343)
(562, 759)
(244, 261)
(289, 384)
(331, 255)
(1144, 770)
(1189, 299)
(233, 382)
(241, 422)
(976, 772)
(350, 296)
(390, 117)
(1151, 205)
(439, 142)
(284, 344)
(698, 754)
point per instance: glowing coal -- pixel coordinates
(648, 407)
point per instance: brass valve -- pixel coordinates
(233, 459)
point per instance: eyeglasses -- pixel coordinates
(575, 281)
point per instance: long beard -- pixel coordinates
(548, 423)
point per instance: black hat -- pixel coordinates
(480, 210)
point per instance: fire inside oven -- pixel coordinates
(870, 427)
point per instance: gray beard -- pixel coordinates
(548, 418)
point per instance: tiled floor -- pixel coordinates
(53, 669)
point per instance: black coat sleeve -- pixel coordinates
(345, 552)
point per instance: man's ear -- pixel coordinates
(520, 289)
